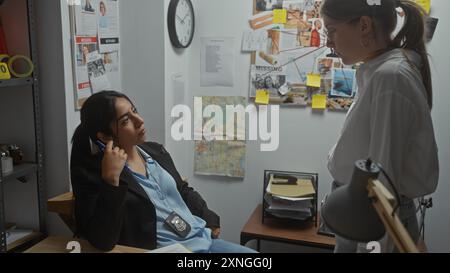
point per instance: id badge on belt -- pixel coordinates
(178, 225)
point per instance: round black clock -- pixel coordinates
(181, 23)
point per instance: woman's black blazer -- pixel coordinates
(106, 215)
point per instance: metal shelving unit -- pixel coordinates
(16, 82)
(21, 172)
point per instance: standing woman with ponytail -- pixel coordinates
(390, 120)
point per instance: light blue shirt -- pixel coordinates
(161, 188)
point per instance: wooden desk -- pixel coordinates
(279, 231)
(56, 244)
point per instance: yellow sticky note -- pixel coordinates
(425, 4)
(262, 97)
(279, 16)
(4, 72)
(313, 80)
(319, 101)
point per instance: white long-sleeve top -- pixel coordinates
(390, 122)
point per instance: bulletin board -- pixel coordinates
(95, 47)
(290, 61)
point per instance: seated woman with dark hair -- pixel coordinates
(128, 191)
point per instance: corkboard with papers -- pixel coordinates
(290, 60)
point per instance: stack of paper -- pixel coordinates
(301, 188)
(290, 199)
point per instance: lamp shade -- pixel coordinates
(348, 210)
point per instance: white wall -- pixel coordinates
(57, 103)
(438, 218)
(142, 60)
(176, 68)
(305, 137)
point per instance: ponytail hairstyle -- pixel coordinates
(97, 115)
(411, 36)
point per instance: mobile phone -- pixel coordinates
(100, 145)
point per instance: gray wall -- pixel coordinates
(51, 46)
(142, 57)
(438, 218)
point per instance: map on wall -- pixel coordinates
(220, 157)
(223, 158)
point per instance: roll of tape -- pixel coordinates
(28, 70)
(4, 58)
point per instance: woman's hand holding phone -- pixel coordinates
(114, 160)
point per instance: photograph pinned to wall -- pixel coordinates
(262, 21)
(267, 78)
(298, 95)
(326, 85)
(304, 38)
(294, 13)
(324, 68)
(88, 6)
(311, 5)
(337, 100)
(83, 47)
(312, 9)
(97, 72)
(254, 40)
(265, 5)
(274, 80)
(108, 26)
(318, 37)
(111, 61)
(86, 18)
(344, 83)
(273, 41)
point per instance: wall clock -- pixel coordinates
(181, 23)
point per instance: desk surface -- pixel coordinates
(56, 244)
(275, 230)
